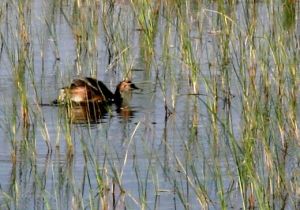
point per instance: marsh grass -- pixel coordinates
(147, 14)
(224, 129)
(18, 53)
(85, 30)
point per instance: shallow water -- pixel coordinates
(163, 153)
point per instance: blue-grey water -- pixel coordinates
(160, 154)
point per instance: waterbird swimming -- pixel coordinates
(89, 90)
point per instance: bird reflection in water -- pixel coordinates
(88, 100)
(94, 113)
(90, 113)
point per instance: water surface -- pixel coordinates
(171, 149)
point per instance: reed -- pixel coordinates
(18, 54)
(84, 26)
(214, 126)
(147, 14)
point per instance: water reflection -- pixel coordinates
(126, 113)
(93, 113)
(179, 146)
(90, 113)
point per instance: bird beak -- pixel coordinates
(132, 86)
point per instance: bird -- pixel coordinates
(88, 90)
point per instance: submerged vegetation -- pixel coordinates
(215, 127)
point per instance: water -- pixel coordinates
(162, 153)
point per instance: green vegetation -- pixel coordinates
(215, 127)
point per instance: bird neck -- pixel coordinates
(118, 97)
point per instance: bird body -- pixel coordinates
(89, 90)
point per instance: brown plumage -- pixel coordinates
(89, 90)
